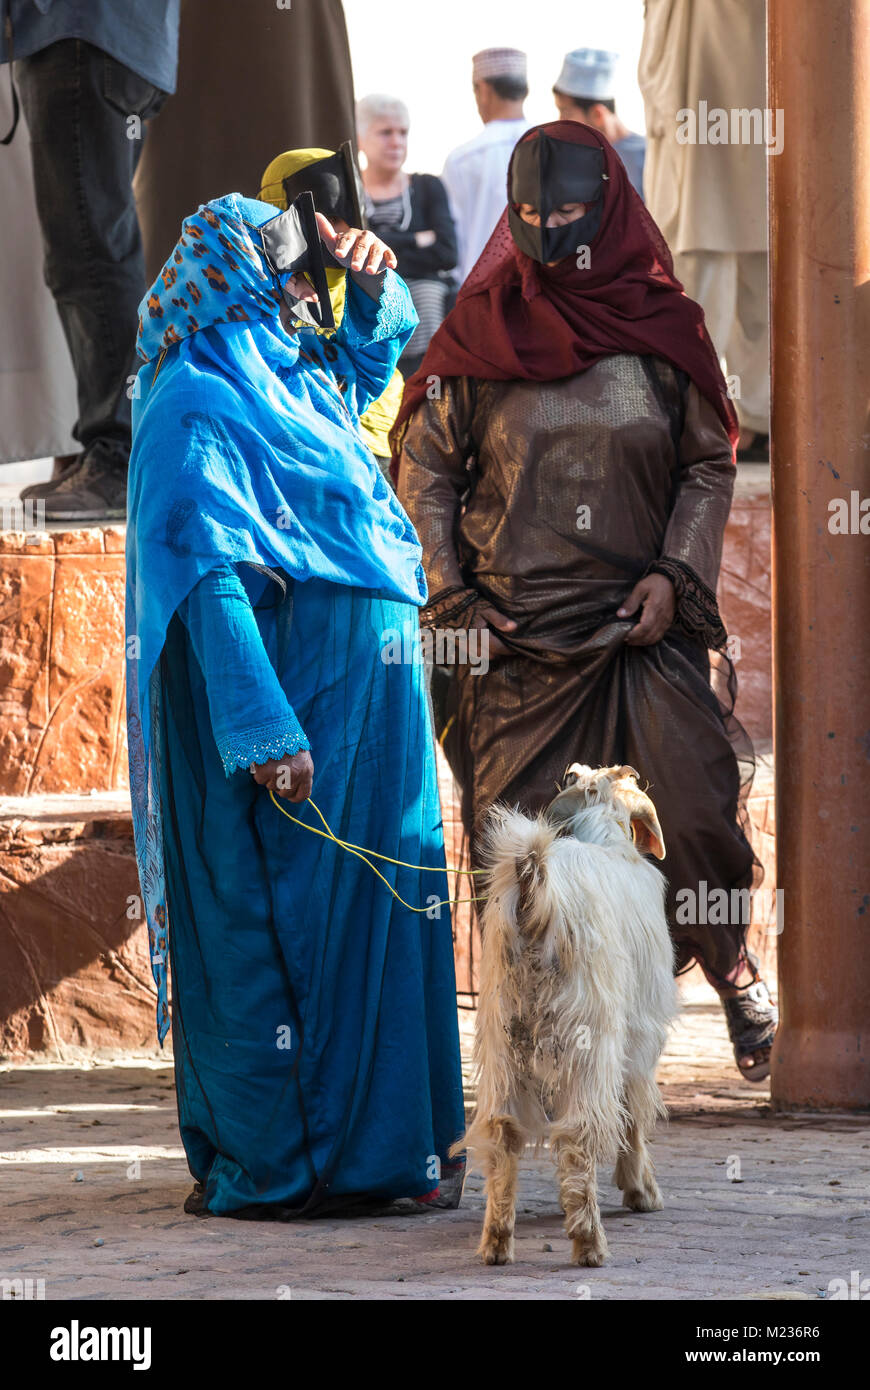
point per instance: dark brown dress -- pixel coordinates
(550, 500)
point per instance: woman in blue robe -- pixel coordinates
(272, 579)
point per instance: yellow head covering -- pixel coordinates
(284, 166)
(272, 191)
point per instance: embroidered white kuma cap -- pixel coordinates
(498, 62)
(587, 72)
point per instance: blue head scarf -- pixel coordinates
(239, 454)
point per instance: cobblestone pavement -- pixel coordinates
(756, 1205)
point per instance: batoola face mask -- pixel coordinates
(332, 178)
(292, 246)
(547, 173)
(335, 184)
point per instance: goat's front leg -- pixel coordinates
(502, 1143)
(577, 1188)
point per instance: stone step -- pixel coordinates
(75, 974)
(42, 815)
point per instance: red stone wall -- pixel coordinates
(74, 967)
(62, 662)
(744, 600)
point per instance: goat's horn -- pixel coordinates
(625, 771)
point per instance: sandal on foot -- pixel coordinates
(752, 1020)
(194, 1203)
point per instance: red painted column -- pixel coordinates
(819, 78)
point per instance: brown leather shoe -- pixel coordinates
(94, 490)
(63, 467)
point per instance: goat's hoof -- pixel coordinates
(643, 1199)
(497, 1252)
(589, 1250)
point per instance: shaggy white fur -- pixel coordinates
(576, 995)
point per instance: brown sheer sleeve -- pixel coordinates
(692, 548)
(433, 477)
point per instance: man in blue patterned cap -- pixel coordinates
(584, 92)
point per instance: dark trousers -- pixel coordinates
(86, 114)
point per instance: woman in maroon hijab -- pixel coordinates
(566, 455)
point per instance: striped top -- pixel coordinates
(429, 295)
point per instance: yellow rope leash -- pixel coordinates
(346, 844)
(361, 853)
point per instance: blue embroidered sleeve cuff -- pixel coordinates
(279, 738)
(367, 320)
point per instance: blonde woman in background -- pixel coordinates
(410, 213)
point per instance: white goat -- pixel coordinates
(576, 995)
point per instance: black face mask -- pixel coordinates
(335, 184)
(292, 246)
(547, 174)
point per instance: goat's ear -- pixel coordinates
(648, 836)
(616, 774)
(644, 822)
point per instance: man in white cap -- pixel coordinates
(584, 92)
(709, 196)
(475, 174)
